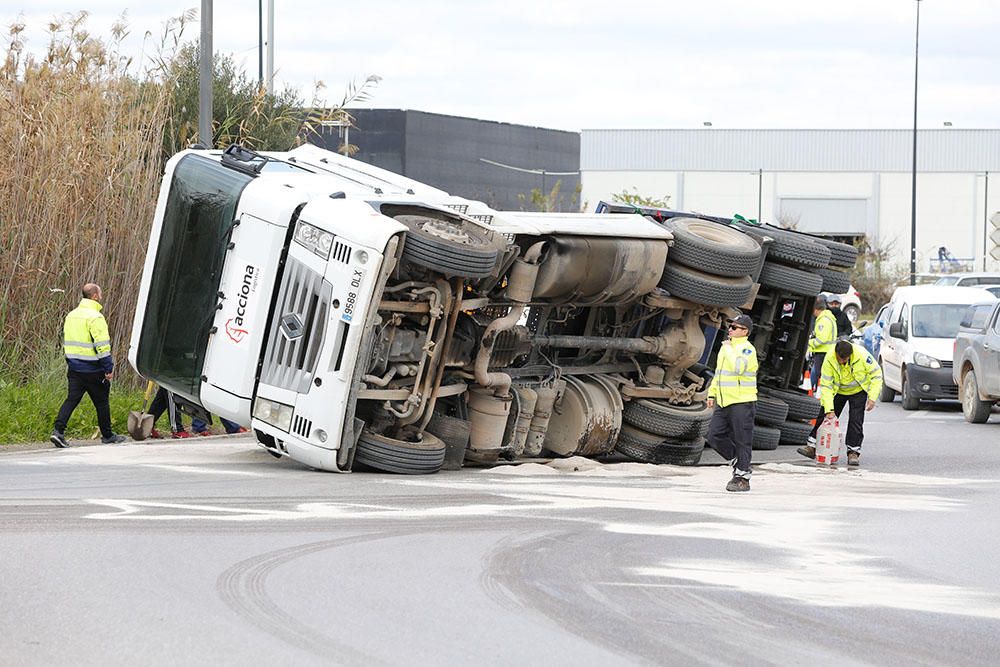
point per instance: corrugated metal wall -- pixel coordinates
(949, 150)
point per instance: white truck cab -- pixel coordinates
(351, 316)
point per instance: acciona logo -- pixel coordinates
(234, 325)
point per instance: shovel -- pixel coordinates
(140, 423)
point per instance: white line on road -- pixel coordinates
(203, 471)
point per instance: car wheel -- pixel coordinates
(910, 402)
(888, 394)
(853, 313)
(976, 411)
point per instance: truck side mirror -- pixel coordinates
(898, 330)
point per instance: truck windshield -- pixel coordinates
(938, 320)
(182, 297)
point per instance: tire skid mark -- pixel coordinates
(243, 587)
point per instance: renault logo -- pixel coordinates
(291, 327)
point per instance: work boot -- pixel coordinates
(852, 458)
(808, 451)
(155, 435)
(58, 439)
(180, 434)
(738, 484)
(113, 439)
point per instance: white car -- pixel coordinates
(850, 303)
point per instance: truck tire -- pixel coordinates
(976, 410)
(841, 254)
(800, 404)
(765, 438)
(790, 279)
(448, 247)
(795, 433)
(650, 448)
(685, 422)
(687, 283)
(790, 247)
(386, 454)
(834, 281)
(906, 397)
(711, 247)
(770, 411)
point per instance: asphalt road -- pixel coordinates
(214, 552)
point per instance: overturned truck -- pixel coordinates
(354, 318)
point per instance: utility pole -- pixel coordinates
(205, 76)
(269, 79)
(913, 202)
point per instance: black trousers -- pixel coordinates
(98, 388)
(731, 435)
(160, 405)
(855, 418)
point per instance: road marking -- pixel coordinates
(929, 414)
(203, 471)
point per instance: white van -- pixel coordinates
(918, 340)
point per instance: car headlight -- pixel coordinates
(314, 239)
(276, 414)
(921, 359)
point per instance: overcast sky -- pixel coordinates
(582, 64)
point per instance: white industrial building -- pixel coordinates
(844, 183)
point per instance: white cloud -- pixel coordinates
(570, 65)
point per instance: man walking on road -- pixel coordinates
(87, 346)
(822, 339)
(850, 376)
(734, 389)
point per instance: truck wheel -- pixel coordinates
(712, 247)
(976, 411)
(770, 411)
(794, 433)
(800, 404)
(380, 452)
(790, 279)
(841, 254)
(834, 281)
(687, 283)
(790, 247)
(685, 422)
(887, 395)
(765, 438)
(650, 448)
(909, 401)
(448, 247)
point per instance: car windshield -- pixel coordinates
(946, 281)
(938, 320)
(181, 303)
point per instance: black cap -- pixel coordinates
(744, 321)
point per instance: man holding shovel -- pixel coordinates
(850, 376)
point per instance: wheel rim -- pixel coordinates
(969, 394)
(449, 231)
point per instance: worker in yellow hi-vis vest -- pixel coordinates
(734, 391)
(823, 337)
(89, 366)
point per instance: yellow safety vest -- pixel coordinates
(824, 333)
(86, 341)
(860, 373)
(735, 378)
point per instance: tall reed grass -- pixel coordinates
(80, 160)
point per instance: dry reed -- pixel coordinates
(81, 137)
